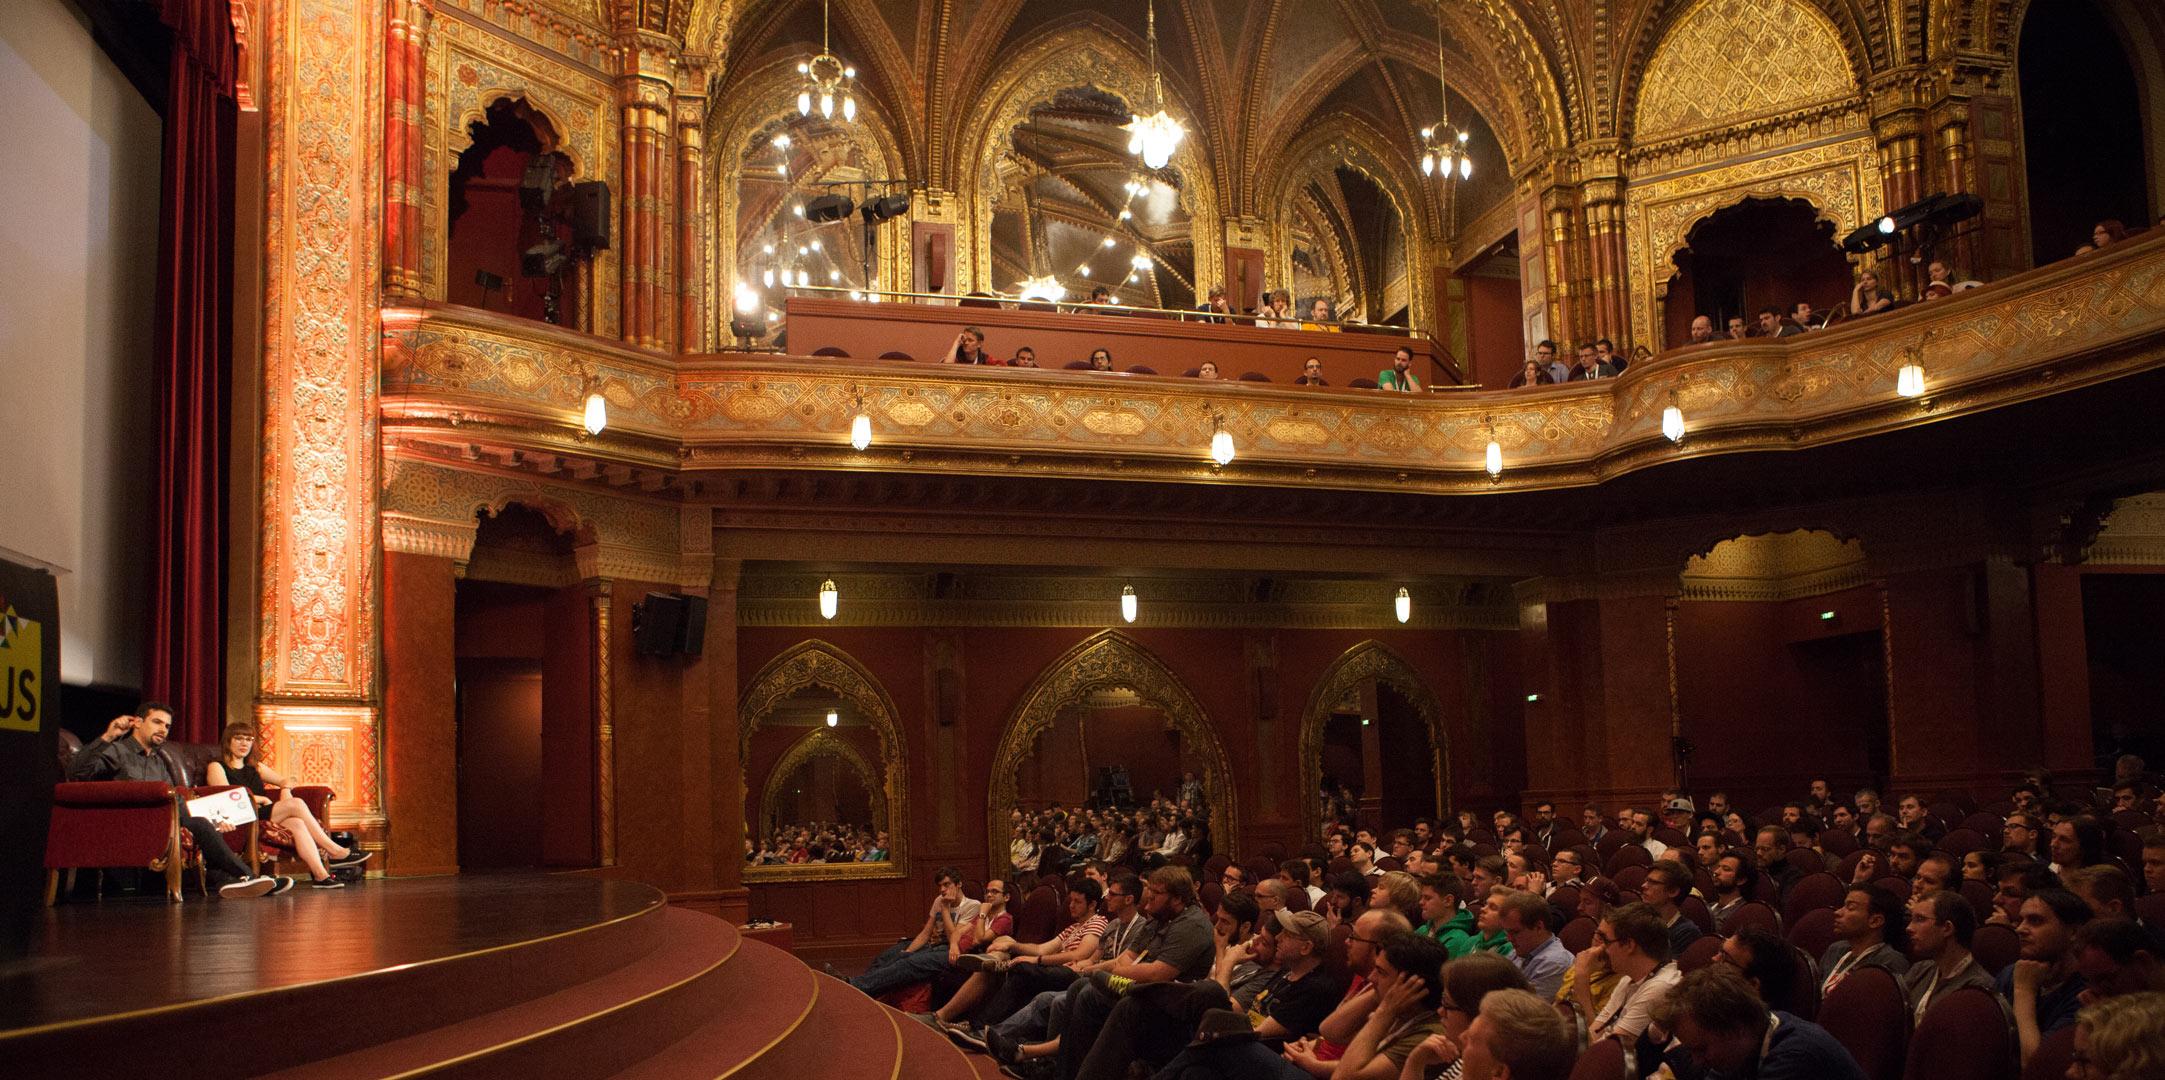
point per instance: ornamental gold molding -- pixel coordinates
(1731, 60)
(1105, 661)
(1371, 661)
(818, 743)
(815, 663)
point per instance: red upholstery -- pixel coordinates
(2055, 1053)
(1627, 855)
(1629, 878)
(1898, 886)
(1986, 825)
(1605, 1060)
(1995, 946)
(113, 823)
(1566, 900)
(1814, 932)
(1966, 1035)
(1695, 909)
(1766, 889)
(1812, 891)
(1979, 894)
(1040, 914)
(1807, 984)
(1867, 1013)
(1698, 954)
(1674, 838)
(1754, 914)
(1961, 842)
(2151, 908)
(1836, 842)
(1578, 934)
(1211, 893)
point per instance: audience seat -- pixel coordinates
(1605, 1060)
(1363, 384)
(1566, 900)
(1041, 913)
(1076, 365)
(1868, 1013)
(1766, 889)
(1214, 867)
(1675, 838)
(1273, 851)
(2151, 909)
(1141, 369)
(2055, 1055)
(1630, 877)
(1979, 894)
(1695, 909)
(1898, 886)
(1254, 376)
(1698, 954)
(1814, 932)
(1807, 983)
(1578, 934)
(1702, 880)
(1568, 838)
(1211, 893)
(1191, 373)
(1255, 868)
(1755, 913)
(1389, 863)
(1837, 843)
(1847, 868)
(898, 355)
(1339, 865)
(1627, 855)
(829, 350)
(1995, 946)
(1609, 843)
(2132, 820)
(1960, 842)
(1965, 1035)
(1812, 891)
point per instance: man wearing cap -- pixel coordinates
(1296, 999)
(1676, 814)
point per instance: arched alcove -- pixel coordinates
(1774, 634)
(1754, 254)
(2083, 138)
(1108, 661)
(1407, 713)
(785, 697)
(501, 191)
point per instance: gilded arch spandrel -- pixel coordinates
(1370, 660)
(813, 663)
(1105, 660)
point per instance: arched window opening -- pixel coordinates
(511, 245)
(786, 167)
(2082, 129)
(1757, 254)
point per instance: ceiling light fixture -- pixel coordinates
(1047, 289)
(1154, 137)
(1446, 151)
(827, 80)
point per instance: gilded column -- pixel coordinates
(405, 92)
(1566, 287)
(599, 596)
(1898, 122)
(322, 254)
(1608, 303)
(645, 91)
(691, 142)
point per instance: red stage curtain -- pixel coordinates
(192, 360)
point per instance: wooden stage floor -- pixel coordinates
(118, 957)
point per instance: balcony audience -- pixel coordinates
(2107, 233)
(1101, 360)
(1736, 329)
(1534, 373)
(969, 348)
(132, 748)
(1399, 376)
(285, 820)
(1207, 370)
(1215, 307)
(1025, 356)
(1311, 373)
(1867, 298)
(1322, 316)
(1770, 323)
(1702, 330)
(1591, 365)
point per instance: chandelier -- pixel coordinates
(1444, 148)
(827, 80)
(1156, 136)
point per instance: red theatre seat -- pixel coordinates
(1965, 1035)
(113, 823)
(1866, 1013)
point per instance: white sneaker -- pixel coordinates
(246, 888)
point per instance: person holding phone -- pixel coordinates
(130, 750)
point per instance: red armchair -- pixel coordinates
(190, 761)
(113, 823)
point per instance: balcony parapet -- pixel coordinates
(459, 375)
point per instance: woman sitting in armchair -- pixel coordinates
(286, 820)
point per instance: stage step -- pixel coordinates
(930, 1055)
(847, 1036)
(584, 1031)
(764, 999)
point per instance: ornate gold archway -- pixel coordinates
(1107, 660)
(1370, 659)
(823, 743)
(813, 664)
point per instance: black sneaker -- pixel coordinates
(352, 859)
(1002, 1048)
(327, 883)
(281, 885)
(246, 888)
(966, 1036)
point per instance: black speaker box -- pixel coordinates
(692, 635)
(657, 624)
(590, 215)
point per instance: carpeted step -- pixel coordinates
(847, 1036)
(587, 1030)
(766, 995)
(929, 1055)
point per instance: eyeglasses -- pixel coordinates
(1451, 1006)
(1603, 939)
(1363, 940)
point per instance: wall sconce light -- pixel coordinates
(1672, 421)
(860, 428)
(1492, 458)
(597, 413)
(829, 599)
(1403, 604)
(833, 718)
(1127, 603)
(1221, 441)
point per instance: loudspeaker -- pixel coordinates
(692, 638)
(657, 623)
(590, 215)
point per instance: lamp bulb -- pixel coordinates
(829, 599)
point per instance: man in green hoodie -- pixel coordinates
(1450, 924)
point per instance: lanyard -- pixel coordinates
(1842, 967)
(1933, 987)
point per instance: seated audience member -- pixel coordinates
(2019, 835)
(1302, 990)
(2107, 233)
(1593, 824)
(1397, 890)
(1267, 311)
(129, 749)
(1934, 872)
(922, 956)
(1905, 852)
(1939, 280)
(1011, 972)
(1540, 956)
(1487, 872)
(1871, 927)
(1769, 964)
(1233, 879)
(1031, 1032)
(1410, 985)
(1311, 373)
(1636, 946)
(2076, 842)
(1667, 883)
(1272, 895)
(1208, 370)
(1910, 812)
(1940, 925)
(1025, 356)
(1488, 924)
(1215, 307)
(1641, 827)
(1737, 329)
(1545, 355)
(1399, 376)
(1702, 330)
(296, 826)
(1770, 323)
(1299, 874)
(1101, 360)
(1516, 1036)
(2153, 863)
(1321, 316)
(992, 922)
(1606, 350)
(1533, 373)
(1443, 919)
(2118, 956)
(1346, 897)
(1867, 298)
(1591, 366)
(1800, 320)
(1733, 876)
(2043, 985)
(1771, 848)
(1566, 867)
(1245, 935)
(1726, 1030)
(1319, 1055)
(1981, 866)
(2120, 1038)
(1100, 295)
(1176, 946)
(968, 348)
(2018, 881)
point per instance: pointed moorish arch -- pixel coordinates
(1367, 660)
(1107, 660)
(823, 743)
(815, 663)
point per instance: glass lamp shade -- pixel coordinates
(1221, 448)
(1402, 605)
(829, 599)
(1672, 424)
(1493, 458)
(597, 413)
(1909, 382)
(860, 431)
(1127, 603)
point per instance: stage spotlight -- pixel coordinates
(885, 208)
(828, 208)
(1932, 213)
